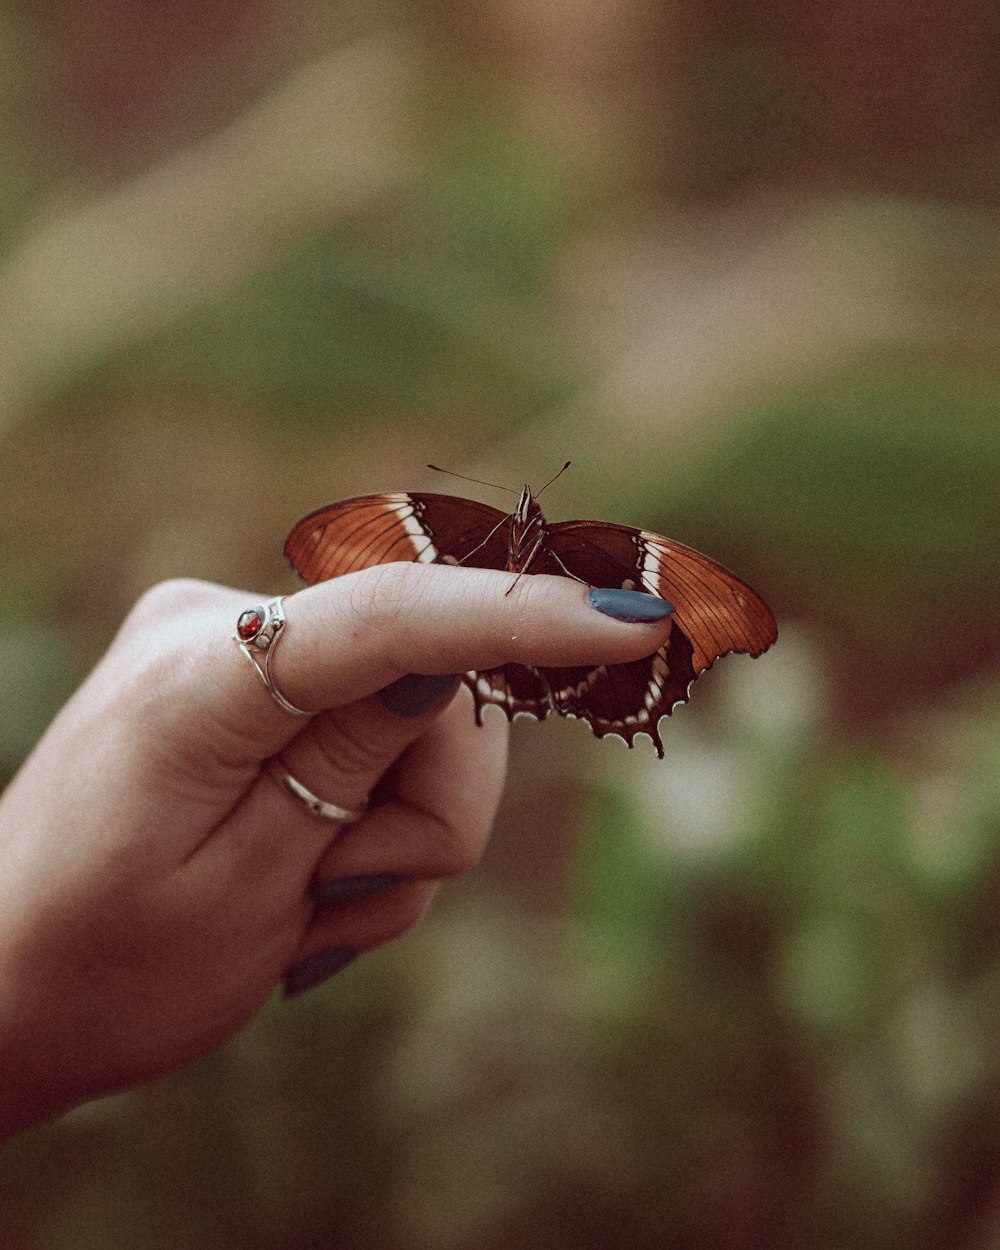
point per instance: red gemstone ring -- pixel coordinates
(258, 632)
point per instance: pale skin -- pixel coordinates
(156, 882)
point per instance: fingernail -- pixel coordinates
(352, 887)
(318, 968)
(631, 606)
(416, 693)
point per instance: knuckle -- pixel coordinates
(163, 605)
(524, 609)
(383, 600)
(347, 750)
(379, 594)
(170, 596)
(539, 597)
(459, 850)
(153, 632)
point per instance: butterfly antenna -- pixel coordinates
(478, 481)
(557, 475)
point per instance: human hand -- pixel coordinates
(156, 882)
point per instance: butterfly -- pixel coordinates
(715, 612)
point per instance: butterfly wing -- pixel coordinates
(611, 698)
(715, 612)
(378, 529)
(517, 689)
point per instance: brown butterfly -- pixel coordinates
(714, 611)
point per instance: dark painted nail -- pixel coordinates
(317, 968)
(415, 693)
(352, 887)
(631, 606)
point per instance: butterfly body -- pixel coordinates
(527, 532)
(714, 611)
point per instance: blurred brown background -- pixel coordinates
(740, 264)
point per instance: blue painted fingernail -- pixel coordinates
(318, 968)
(632, 606)
(416, 693)
(353, 887)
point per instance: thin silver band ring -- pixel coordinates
(258, 632)
(314, 805)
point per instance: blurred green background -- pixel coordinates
(740, 264)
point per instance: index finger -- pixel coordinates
(346, 638)
(357, 633)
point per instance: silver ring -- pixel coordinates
(314, 806)
(258, 631)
